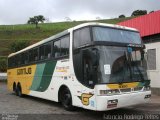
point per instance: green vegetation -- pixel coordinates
(122, 16)
(27, 32)
(139, 12)
(19, 45)
(36, 20)
(3, 64)
(16, 37)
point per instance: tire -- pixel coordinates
(19, 91)
(66, 99)
(14, 87)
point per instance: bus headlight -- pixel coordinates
(109, 92)
(147, 88)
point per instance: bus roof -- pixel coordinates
(70, 29)
(103, 24)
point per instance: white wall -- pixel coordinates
(154, 75)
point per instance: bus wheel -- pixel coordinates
(19, 91)
(66, 99)
(14, 87)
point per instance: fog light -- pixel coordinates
(147, 96)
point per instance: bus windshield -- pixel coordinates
(115, 35)
(117, 65)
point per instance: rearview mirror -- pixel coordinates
(142, 54)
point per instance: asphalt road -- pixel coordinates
(15, 108)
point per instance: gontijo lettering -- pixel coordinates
(100, 73)
(23, 71)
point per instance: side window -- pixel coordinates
(30, 56)
(25, 58)
(10, 62)
(65, 45)
(56, 49)
(48, 50)
(35, 54)
(13, 61)
(151, 55)
(41, 53)
(82, 37)
(16, 60)
(19, 59)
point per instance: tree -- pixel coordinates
(36, 19)
(122, 16)
(139, 12)
(18, 45)
(151, 11)
(3, 64)
(98, 18)
(68, 19)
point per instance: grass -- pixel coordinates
(11, 33)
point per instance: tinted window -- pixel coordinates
(48, 50)
(35, 54)
(81, 37)
(19, 58)
(115, 35)
(25, 58)
(56, 49)
(31, 59)
(13, 61)
(65, 45)
(41, 53)
(10, 62)
(151, 59)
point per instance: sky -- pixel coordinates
(19, 11)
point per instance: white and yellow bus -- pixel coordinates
(93, 66)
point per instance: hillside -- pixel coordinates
(11, 33)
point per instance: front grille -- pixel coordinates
(125, 90)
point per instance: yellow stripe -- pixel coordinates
(123, 85)
(16, 75)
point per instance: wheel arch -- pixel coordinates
(19, 85)
(62, 87)
(14, 86)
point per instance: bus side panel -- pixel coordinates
(55, 74)
(46, 76)
(22, 75)
(10, 80)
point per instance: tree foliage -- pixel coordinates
(36, 19)
(3, 64)
(139, 12)
(18, 45)
(122, 16)
(151, 11)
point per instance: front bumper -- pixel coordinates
(124, 100)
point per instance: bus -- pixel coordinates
(94, 66)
